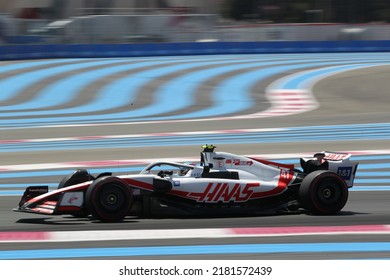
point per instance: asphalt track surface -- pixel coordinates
(62, 111)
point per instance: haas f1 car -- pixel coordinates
(221, 184)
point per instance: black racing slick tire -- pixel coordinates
(77, 177)
(109, 199)
(323, 193)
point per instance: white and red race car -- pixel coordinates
(222, 184)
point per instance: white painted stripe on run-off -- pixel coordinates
(104, 235)
(78, 164)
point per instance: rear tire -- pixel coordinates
(109, 199)
(323, 193)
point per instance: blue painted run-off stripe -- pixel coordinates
(222, 101)
(378, 131)
(74, 83)
(198, 250)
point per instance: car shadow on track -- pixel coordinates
(341, 213)
(70, 220)
(65, 220)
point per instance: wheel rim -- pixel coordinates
(329, 193)
(112, 198)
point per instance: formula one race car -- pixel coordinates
(221, 184)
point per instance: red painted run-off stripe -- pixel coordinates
(24, 236)
(311, 230)
(189, 233)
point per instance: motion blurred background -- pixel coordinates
(140, 21)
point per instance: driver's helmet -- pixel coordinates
(183, 170)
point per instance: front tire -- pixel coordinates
(77, 177)
(109, 199)
(323, 193)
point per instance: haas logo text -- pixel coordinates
(225, 192)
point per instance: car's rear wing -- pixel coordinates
(336, 156)
(342, 165)
(337, 162)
